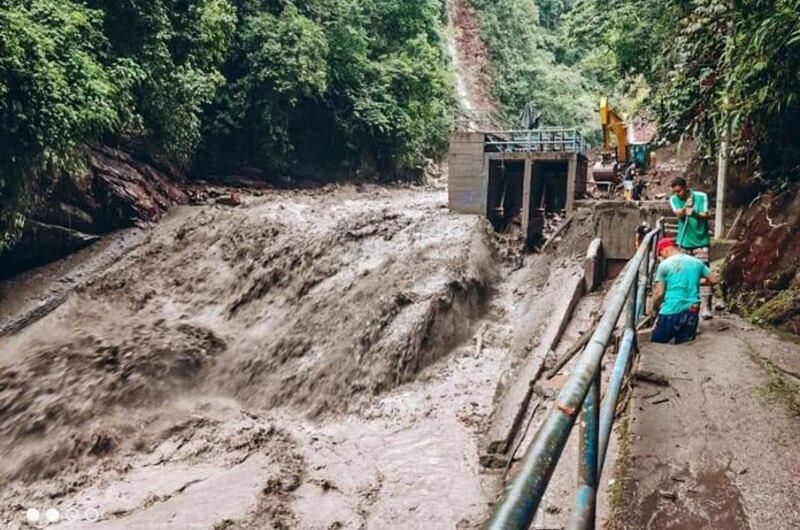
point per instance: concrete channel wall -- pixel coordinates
(615, 222)
(467, 184)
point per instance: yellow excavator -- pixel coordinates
(615, 159)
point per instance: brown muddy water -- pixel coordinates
(306, 360)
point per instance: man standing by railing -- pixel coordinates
(691, 209)
(676, 293)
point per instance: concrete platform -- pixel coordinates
(718, 447)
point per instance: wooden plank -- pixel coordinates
(511, 410)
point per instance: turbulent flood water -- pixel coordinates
(303, 360)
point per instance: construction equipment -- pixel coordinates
(614, 159)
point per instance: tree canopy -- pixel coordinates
(277, 84)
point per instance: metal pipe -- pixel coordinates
(641, 297)
(630, 303)
(520, 500)
(583, 516)
(641, 293)
(587, 463)
(609, 406)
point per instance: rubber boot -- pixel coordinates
(706, 307)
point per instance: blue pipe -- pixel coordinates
(591, 408)
(609, 406)
(582, 516)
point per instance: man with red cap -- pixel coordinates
(676, 294)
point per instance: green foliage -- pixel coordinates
(74, 73)
(737, 62)
(277, 62)
(763, 84)
(58, 87)
(179, 46)
(336, 83)
(525, 67)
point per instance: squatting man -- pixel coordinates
(676, 293)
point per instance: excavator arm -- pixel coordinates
(611, 123)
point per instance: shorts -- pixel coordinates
(681, 326)
(700, 253)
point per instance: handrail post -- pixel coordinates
(644, 279)
(630, 306)
(654, 252)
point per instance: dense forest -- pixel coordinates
(277, 84)
(335, 86)
(694, 68)
(522, 41)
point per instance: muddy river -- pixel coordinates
(309, 359)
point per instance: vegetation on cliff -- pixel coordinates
(271, 83)
(706, 64)
(354, 83)
(525, 65)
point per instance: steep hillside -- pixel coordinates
(762, 275)
(523, 66)
(276, 87)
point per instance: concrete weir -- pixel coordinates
(614, 227)
(505, 174)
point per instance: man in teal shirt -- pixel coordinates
(676, 295)
(691, 209)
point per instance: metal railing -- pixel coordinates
(544, 140)
(521, 497)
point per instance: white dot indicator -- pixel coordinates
(72, 514)
(32, 515)
(52, 515)
(92, 514)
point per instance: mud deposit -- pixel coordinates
(299, 361)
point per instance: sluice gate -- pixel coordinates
(522, 174)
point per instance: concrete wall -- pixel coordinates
(594, 266)
(615, 222)
(467, 188)
(468, 165)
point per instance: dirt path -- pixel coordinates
(241, 367)
(469, 56)
(715, 449)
